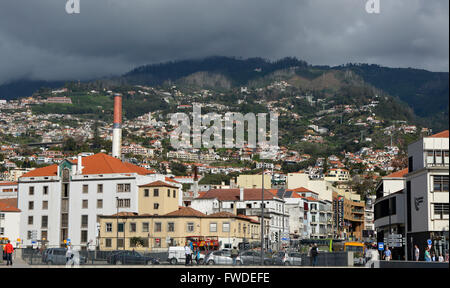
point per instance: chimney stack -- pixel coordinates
(241, 194)
(79, 165)
(117, 127)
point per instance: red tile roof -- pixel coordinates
(9, 205)
(96, 164)
(398, 174)
(158, 184)
(234, 194)
(443, 134)
(8, 183)
(186, 212)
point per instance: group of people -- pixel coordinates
(429, 256)
(191, 253)
(8, 250)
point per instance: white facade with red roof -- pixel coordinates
(70, 196)
(10, 217)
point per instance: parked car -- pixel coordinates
(131, 258)
(251, 257)
(57, 256)
(287, 259)
(221, 257)
(177, 256)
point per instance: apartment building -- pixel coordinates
(158, 232)
(10, 220)
(247, 202)
(63, 202)
(427, 198)
(254, 181)
(8, 189)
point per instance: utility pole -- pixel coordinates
(262, 218)
(117, 222)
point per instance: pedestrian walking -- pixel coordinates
(69, 254)
(8, 250)
(441, 258)
(188, 254)
(387, 254)
(234, 255)
(314, 253)
(310, 255)
(427, 254)
(416, 252)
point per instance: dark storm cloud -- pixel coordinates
(40, 41)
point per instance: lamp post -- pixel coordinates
(117, 226)
(262, 218)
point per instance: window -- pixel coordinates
(45, 190)
(145, 227)
(28, 235)
(30, 220)
(170, 227)
(2, 216)
(158, 227)
(410, 164)
(2, 231)
(84, 221)
(44, 205)
(99, 203)
(226, 227)
(146, 192)
(190, 227)
(30, 205)
(84, 236)
(120, 227)
(85, 189)
(44, 221)
(123, 187)
(155, 192)
(108, 227)
(85, 204)
(133, 227)
(99, 188)
(155, 206)
(174, 193)
(108, 242)
(31, 190)
(440, 183)
(124, 203)
(120, 242)
(440, 210)
(168, 192)
(212, 227)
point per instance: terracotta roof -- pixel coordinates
(171, 180)
(398, 174)
(443, 134)
(222, 214)
(158, 184)
(303, 189)
(186, 212)
(233, 194)
(8, 183)
(9, 205)
(96, 164)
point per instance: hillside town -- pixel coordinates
(160, 197)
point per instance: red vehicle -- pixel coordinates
(204, 243)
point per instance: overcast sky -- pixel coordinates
(39, 40)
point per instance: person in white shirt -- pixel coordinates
(187, 253)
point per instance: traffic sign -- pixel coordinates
(395, 236)
(381, 246)
(285, 239)
(429, 242)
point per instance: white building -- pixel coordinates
(62, 202)
(248, 202)
(8, 189)
(10, 220)
(427, 198)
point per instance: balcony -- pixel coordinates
(255, 211)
